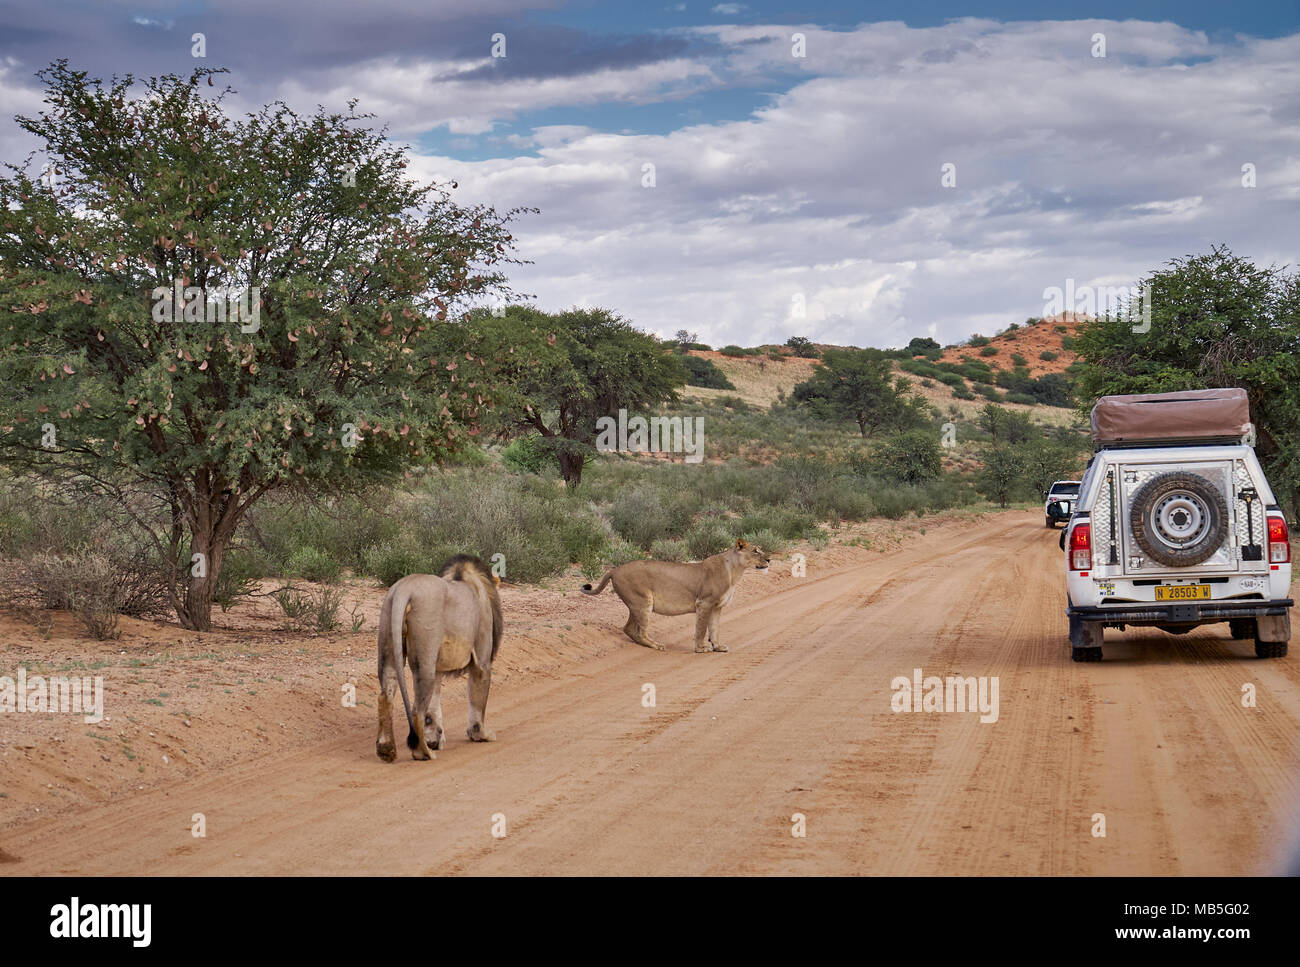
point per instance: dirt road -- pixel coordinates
(795, 719)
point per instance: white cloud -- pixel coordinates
(1067, 167)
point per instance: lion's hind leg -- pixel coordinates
(433, 719)
(385, 744)
(480, 680)
(424, 689)
(638, 618)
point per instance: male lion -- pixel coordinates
(667, 587)
(443, 626)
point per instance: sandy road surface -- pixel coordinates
(795, 719)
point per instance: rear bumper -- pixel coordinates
(1181, 613)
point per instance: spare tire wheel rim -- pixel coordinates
(1179, 519)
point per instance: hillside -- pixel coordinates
(760, 380)
(1030, 342)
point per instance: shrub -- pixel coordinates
(911, 457)
(734, 351)
(962, 393)
(704, 372)
(312, 564)
(618, 552)
(989, 351)
(1047, 355)
(669, 550)
(978, 340)
(528, 454)
(643, 515)
(707, 538)
(85, 582)
(325, 608)
(1018, 360)
(766, 540)
(803, 347)
(391, 561)
(238, 578)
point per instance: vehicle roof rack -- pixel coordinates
(1219, 441)
(1171, 419)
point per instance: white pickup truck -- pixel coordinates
(1176, 525)
(1059, 501)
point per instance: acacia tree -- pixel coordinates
(348, 372)
(558, 373)
(859, 385)
(1217, 319)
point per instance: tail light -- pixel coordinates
(1279, 541)
(1081, 548)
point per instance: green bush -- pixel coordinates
(1018, 360)
(989, 351)
(911, 457)
(669, 550)
(707, 538)
(646, 513)
(766, 540)
(803, 347)
(528, 454)
(704, 372)
(393, 560)
(735, 351)
(1047, 355)
(240, 569)
(312, 564)
(978, 340)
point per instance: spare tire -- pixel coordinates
(1179, 518)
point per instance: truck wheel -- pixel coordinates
(1270, 649)
(1179, 519)
(1242, 628)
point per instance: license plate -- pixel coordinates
(1182, 592)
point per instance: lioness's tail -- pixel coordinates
(588, 589)
(397, 653)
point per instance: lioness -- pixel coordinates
(667, 587)
(443, 626)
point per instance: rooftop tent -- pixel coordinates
(1202, 414)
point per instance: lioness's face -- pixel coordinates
(750, 554)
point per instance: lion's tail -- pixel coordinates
(588, 589)
(397, 655)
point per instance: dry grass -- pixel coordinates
(757, 379)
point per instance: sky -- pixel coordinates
(856, 173)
